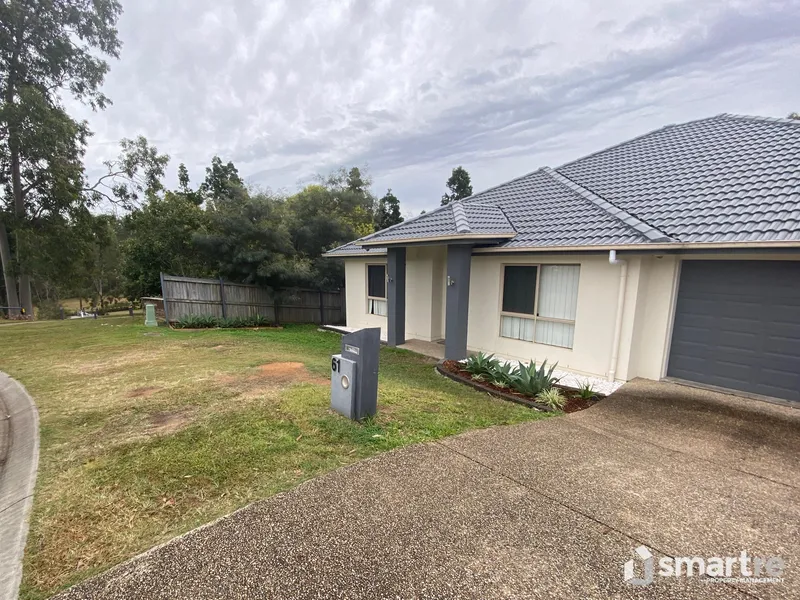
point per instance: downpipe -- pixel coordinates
(623, 281)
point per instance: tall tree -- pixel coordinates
(183, 186)
(355, 182)
(459, 185)
(160, 238)
(183, 178)
(249, 241)
(388, 212)
(48, 49)
(220, 180)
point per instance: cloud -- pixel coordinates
(415, 87)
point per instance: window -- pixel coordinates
(539, 303)
(376, 290)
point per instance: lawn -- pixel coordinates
(147, 434)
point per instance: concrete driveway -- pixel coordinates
(551, 509)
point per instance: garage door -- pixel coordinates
(737, 325)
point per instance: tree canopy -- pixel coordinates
(62, 234)
(388, 212)
(49, 50)
(459, 185)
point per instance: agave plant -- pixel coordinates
(552, 398)
(532, 380)
(481, 364)
(503, 374)
(586, 391)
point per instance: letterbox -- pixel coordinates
(343, 385)
(354, 375)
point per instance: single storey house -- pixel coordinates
(673, 255)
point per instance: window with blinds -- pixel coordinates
(376, 290)
(539, 303)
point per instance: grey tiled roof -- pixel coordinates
(724, 179)
(454, 219)
(354, 249)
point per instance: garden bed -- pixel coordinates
(196, 329)
(455, 371)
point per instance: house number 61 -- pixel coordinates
(336, 365)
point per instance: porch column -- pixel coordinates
(396, 296)
(459, 259)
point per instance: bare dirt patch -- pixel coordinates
(274, 374)
(287, 372)
(168, 422)
(144, 392)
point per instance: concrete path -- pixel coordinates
(551, 509)
(19, 457)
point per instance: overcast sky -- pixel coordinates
(412, 88)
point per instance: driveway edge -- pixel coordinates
(17, 479)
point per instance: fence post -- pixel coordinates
(321, 308)
(164, 299)
(222, 297)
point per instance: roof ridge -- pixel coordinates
(652, 234)
(460, 217)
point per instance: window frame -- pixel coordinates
(385, 286)
(535, 316)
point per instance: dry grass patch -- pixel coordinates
(144, 437)
(144, 392)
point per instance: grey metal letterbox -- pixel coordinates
(343, 385)
(357, 396)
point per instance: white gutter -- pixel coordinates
(623, 280)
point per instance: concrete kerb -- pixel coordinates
(17, 480)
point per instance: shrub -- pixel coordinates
(197, 322)
(481, 364)
(48, 310)
(552, 398)
(586, 391)
(208, 321)
(531, 381)
(503, 374)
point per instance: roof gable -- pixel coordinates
(454, 220)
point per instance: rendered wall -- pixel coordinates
(647, 322)
(425, 280)
(594, 321)
(355, 272)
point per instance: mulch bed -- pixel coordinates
(454, 370)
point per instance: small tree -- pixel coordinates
(794, 115)
(459, 185)
(388, 212)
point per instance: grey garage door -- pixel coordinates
(737, 325)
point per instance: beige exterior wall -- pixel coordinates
(650, 296)
(355, 273)
(594, 320)
(425, 292)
